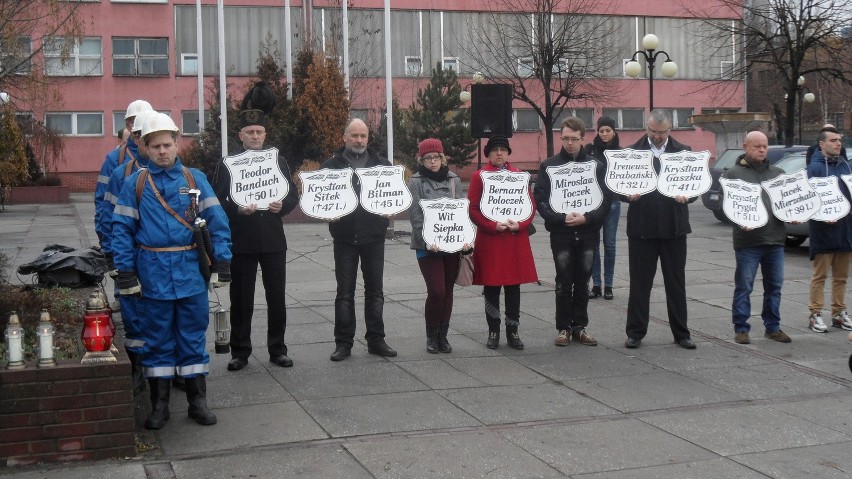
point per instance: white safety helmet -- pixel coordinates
(135, 107)
(158, 122)
(139, 121)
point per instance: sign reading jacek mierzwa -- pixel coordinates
(791, 197)
(328, 194)
(685, 173)
(506, 196)
(630, 172)
(256, 178)
(447, 224)
(383, 189)
(574, 187)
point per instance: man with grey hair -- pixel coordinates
(656, 230)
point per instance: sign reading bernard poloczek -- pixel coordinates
(685, 173)
(256, 178)
(574, 187)
(328, 194)
(383, 190)
(447, 225)
(630, 172)
(506, 196)
(742, 203)
(792, 198)
(834, 205)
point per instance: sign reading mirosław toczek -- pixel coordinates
(506, 196)
(630, 172)
(742, 203)
(447, 224)
(791, 197)
(383, 190)
(256, 178)
(328, 194)
(834, 205)
(574, 187)
(685, 173)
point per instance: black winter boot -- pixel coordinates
(160, 392)
(179, 383)
(136, 376)
(196, 396)
(443, 344)
(431, 339)
(512, 337)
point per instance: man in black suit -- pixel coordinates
(656, 229)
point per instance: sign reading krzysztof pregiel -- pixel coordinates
(630, 172)
(685, 173)
(506, 196)
(383, 189)
(256, 178)
(742, 203)
(328, 194)
(834, 205)
(574, 187)
(447, 225)
(791, 197)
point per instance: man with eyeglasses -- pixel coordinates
(656, 230)
(573, 237)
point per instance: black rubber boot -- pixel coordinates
(513, 339)
(160, 392)
(136, 376)
(431, 339)
(179, 383)
(196, 396)
(443, 344)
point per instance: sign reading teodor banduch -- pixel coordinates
(630, 172)
(447, 225)
(685, 173)
(834, 205)
(383, 190)
(328, 194)
(574, 187)
(791, 197)
(506, 196)
(256, 178)
(742, 203)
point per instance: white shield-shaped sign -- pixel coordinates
(685, 173)
(383, 190)
(446, 223)
(834, 205)
(791, 197)
(574, 187)
(742, 203)
(506, 196)
(630, 172)
(256, 178)
(328, 194)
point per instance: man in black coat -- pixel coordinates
(656, 229)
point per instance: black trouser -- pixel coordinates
(513, 307)
(372, 258)
(643, 267)
(273, 268)
(573, 260)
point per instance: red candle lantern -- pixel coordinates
(97, 334)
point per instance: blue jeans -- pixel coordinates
(610, 227)
(770, 258)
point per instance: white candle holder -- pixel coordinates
(45, 333)
(15, 343)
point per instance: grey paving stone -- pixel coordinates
(764, 381)
(450, 456)
(581, 362)
(512, 404)
(708, 356)
(314, 462)
(835, 367)
(826, 461)
(743, 430)
(652, 391)
(834, 412)
(496, 371)
(438, 374)
(380, 413)
(244, 387)
(242, 426)
(108, 468)
(342, 379)
(604, 446)
(711, 469)
(309, 333)
(414, 347)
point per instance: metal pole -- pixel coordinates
(388, 81)
(650, 58)
(223, 94)
(288, 47)
(799, 93)
(200, 63)
(346, 45)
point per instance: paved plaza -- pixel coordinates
(724, 410)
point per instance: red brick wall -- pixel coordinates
(79, 182)
(72, 412)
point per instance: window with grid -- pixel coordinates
(680, 118)
(413, 66)
(84, 58)
(76, 123)
(14, 58)
(626, 118)
(525, 120)
(585, 114)
(140, 56)
(189, 122)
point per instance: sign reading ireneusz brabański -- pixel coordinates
(630, 172)
(328, 194)
(742, 203)
(791, 197)
(505, 196)
(383, 190)
(447, 225)
(685, 173)
(574, 187)
(834, 205)
(256, 178)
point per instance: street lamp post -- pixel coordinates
(633, 69)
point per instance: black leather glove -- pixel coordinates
(110, 261)
(128, 284)
(221, 274)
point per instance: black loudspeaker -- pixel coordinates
(490, 110)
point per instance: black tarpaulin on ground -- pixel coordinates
(64, 266)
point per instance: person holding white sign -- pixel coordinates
(574, 207)
(258, 239)
(606, 139)
(657, 226)
(830, 242)
(434, 180)
(503, 257)
(763, 246)
(358, 237)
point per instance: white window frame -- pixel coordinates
(197, 127)
(515, 120)
(451, 63)
(74, 115)
(184, 58)
(411, 60)
(617, 115)
(526, 67)
(137, 57)
(566, 112)
(74, 59)
(675, 123)
(22, 52)
(726, 70)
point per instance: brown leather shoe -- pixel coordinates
(563, 338)
(584, 338)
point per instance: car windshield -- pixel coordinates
(727, 159)
(792, 162)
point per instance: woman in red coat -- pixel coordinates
(502, 257)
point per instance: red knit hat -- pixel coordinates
(429, 145)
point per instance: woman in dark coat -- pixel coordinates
(503, 256)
